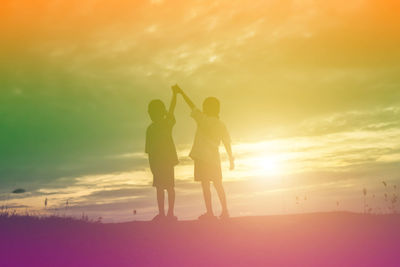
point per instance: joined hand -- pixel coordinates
(176, 89)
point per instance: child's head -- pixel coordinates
(211, 106)
(157, 110)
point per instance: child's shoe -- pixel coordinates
(224, 216)
(207, 217)
(172, 218)
(158, 218)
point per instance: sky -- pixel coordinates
(309, 90)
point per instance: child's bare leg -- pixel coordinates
(160, 201)
(171, 201)
(207, 196)
(221, 195)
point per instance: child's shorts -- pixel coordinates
(163, 176)
(207, 171)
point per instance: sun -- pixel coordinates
(268, 165)
(263, 166)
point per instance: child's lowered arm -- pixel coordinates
(188, 101)
(228, 149)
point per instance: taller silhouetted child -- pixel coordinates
(162, 154)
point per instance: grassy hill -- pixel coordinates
(319, 239)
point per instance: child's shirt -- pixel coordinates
(209, 134)
(159, 143)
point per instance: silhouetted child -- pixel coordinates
(161, 150)
(205, 151)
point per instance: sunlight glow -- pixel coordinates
(263, 165)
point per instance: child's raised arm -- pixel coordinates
(173, 102)
(188, 101)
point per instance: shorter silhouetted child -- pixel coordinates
(162, 154)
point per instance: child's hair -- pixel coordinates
(157, 110)
(211, 106)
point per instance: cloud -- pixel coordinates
(374, 119)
